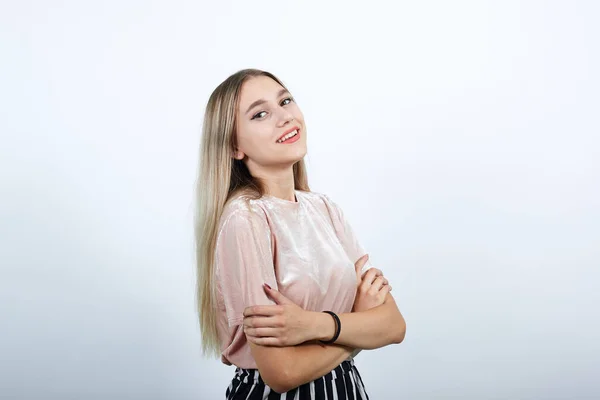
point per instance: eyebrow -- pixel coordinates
(262, 101)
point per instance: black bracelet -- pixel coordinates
(338, 328)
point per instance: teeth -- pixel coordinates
(289, 135)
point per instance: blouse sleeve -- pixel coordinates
(243, 262)
(346, 234)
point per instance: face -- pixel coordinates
(267, 118)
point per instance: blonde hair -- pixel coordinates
(220, 178)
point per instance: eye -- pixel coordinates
(286, 101)
(259, 115)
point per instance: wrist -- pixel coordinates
(324, 326)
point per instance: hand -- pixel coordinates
(284, 324)
(372, 287)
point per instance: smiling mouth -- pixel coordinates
(290, 135)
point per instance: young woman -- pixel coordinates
(285, 292)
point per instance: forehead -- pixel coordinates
(256, 88)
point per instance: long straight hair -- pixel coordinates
(221, 177)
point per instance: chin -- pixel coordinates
(292, 161)
(293, 158)
(300, 157)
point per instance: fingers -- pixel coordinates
(266, 341)
(261, 332)
(384, 291)
(370, 276)
(379, 282)
(276, 295)
(265, 336)
(262, 322)
(263, 310)
(360, 263)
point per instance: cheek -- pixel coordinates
(298, 114)
(253, 140)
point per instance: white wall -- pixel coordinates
(461, 138)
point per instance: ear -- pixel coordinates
(238, 155)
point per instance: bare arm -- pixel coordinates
(284, 368)
(370, 329)
(274, 334)
(375, 322)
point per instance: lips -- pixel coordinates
(292, 129)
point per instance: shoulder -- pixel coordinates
(317, 197)
(241, 211)
(322, 201)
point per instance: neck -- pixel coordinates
(285, 192)
(278, 182)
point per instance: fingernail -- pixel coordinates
(267, 285)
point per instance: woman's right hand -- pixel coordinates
(372, 287)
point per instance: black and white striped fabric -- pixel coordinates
(343, 383)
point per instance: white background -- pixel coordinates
(460, 138)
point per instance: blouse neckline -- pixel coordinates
(284, 201)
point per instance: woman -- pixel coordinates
(282, 290)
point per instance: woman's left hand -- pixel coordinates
(284, 324)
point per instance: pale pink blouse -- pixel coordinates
(305, 249)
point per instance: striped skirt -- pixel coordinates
(342, 383)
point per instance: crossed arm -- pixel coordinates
(284, 338)
(284, 368)
(370, 329)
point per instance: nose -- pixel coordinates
(285, 117)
